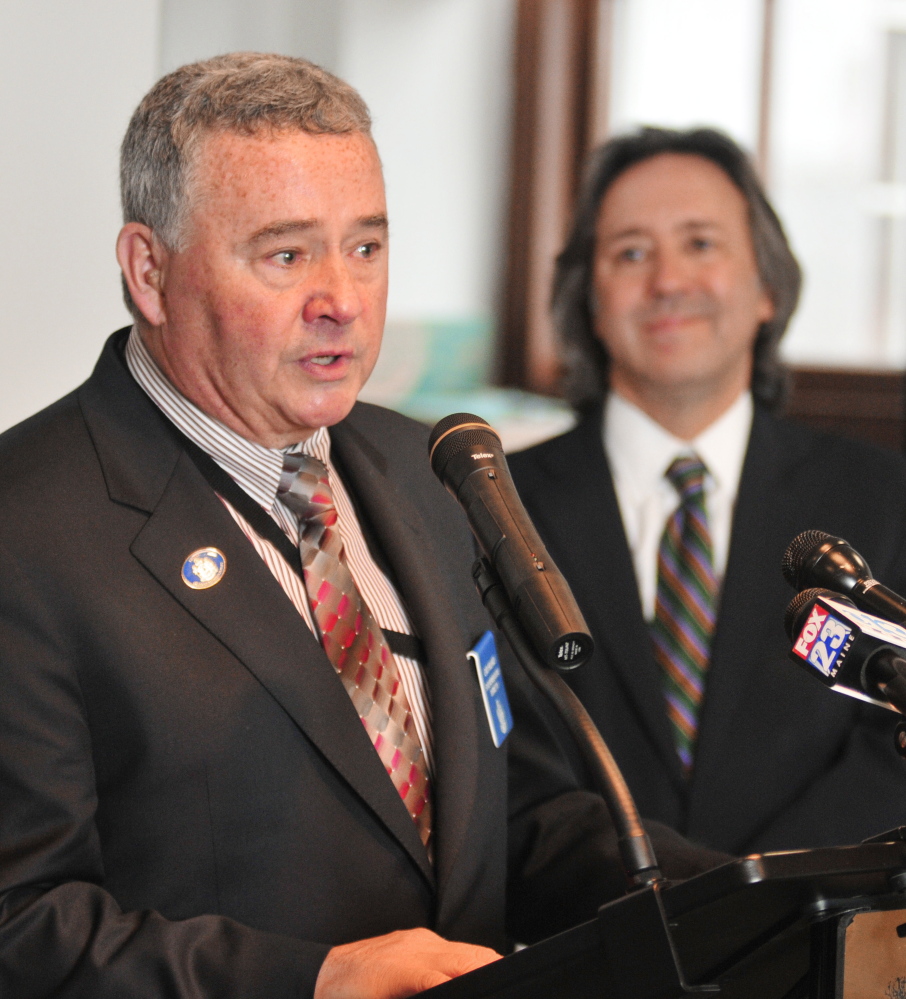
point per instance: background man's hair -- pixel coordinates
(585, 358)
(243, 92)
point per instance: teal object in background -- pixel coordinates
(458, 356)
(429, 369)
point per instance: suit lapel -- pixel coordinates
(247, 611)
(592, 539)
(402, 534)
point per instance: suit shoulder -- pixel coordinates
(401, 441)
(857, 462)
(550, 456)
(371, 419)
(47, 439)
(399, 447)
(44, 423)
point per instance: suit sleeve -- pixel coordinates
(863, 792)
(61, 934)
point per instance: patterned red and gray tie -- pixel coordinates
(352, 638)
(686, 602)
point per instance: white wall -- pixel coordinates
(436, 77)
(70, 75)
(680, 63)
(198, 29)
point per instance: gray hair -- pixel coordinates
(243, 92)
(587, 362)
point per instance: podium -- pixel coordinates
(811, 924)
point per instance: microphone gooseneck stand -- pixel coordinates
(636, 853)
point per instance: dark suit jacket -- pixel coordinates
(781, 762)
(189, 805)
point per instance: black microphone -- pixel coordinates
(814, 558)
(467, 456)
(847, 649)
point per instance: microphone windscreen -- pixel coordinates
(798, 550)
(795, 607)
(456, 433)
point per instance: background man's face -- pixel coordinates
(275, 306)
(679, 299)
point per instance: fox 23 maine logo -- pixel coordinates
(823, 641)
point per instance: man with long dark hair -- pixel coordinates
(670, 504)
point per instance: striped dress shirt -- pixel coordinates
(257, 470)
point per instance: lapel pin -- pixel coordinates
(203, 568)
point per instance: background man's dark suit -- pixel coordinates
(781, 762)
(187, 795)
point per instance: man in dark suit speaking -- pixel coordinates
(242, 751)
(669, 507)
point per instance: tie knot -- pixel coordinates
(687, 476)
(305, 488)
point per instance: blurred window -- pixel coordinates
(816, 90)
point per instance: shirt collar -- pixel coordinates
(640, 450)
(255, 468)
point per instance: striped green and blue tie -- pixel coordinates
(686, 602)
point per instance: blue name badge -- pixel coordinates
(493, 692)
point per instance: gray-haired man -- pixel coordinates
(241, 749)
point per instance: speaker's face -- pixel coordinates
(272, 311)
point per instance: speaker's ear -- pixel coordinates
(143, 258)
